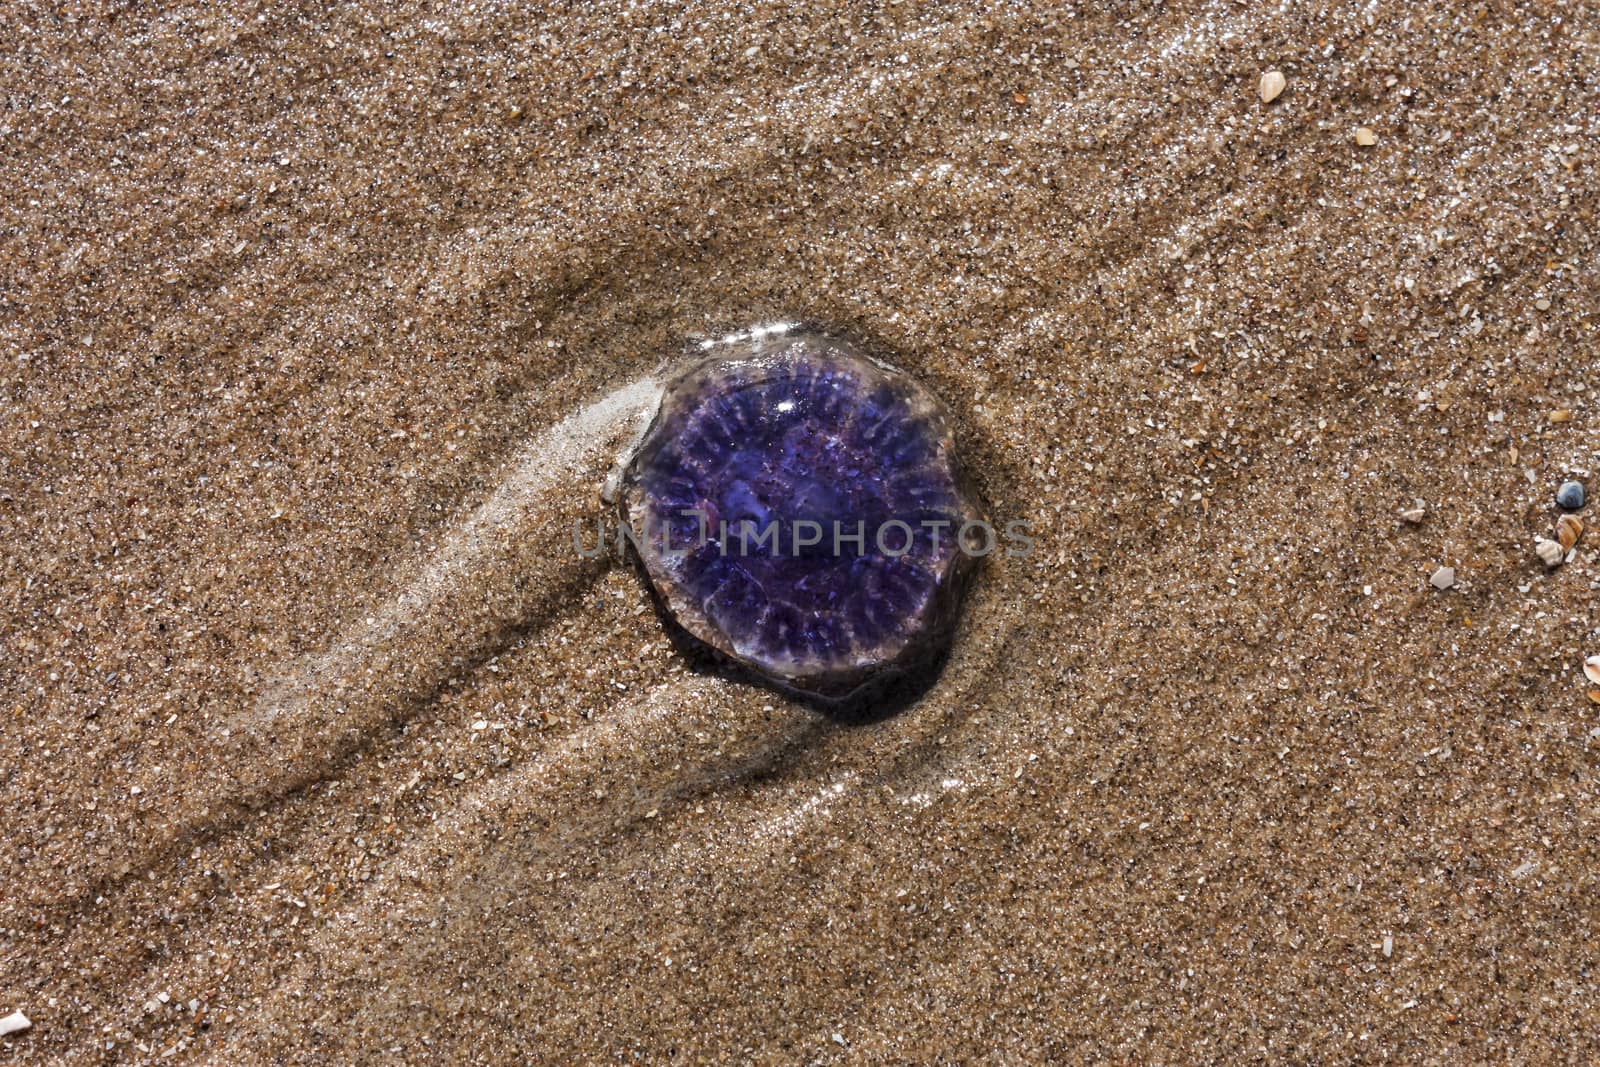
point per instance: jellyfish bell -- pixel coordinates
(795, 504)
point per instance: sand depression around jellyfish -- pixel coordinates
(778, 423)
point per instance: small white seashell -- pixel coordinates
(1591, 669)
(1272, 83)
(1550, 552)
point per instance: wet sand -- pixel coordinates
(320, 743)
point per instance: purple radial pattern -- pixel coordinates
(796, 506)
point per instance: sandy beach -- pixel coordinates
(321, 326)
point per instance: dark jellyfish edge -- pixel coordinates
(704, 400)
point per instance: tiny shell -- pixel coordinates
(1568, 529)
(1591, 669)
(1549, 552)
(1272, 83)
(1365, 137)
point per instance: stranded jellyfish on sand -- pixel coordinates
(798, 508)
